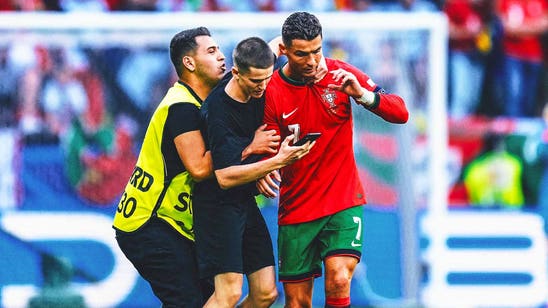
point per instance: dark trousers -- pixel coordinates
(167, 260)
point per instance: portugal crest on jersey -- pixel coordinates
(329, 97)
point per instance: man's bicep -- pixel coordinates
(192, 151)
(182, 118)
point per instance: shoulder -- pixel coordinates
(334, 64)
(217, 95)
(276, 81)
(185, 107)
(276, 77)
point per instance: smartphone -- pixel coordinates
(308, 137)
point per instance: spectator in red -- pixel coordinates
(524, 22)
(6, 5)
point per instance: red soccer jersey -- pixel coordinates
(326, 180)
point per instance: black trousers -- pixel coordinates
(167, 260)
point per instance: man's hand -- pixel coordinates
(321, 71)
(268, 185)
(290, 154)
(346, 82)
(264, 142)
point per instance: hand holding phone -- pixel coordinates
(308, 137)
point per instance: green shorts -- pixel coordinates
(303, 247)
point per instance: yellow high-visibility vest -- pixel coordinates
(149, 192)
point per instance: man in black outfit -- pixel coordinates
(232, 238)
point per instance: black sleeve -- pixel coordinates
(225, 144)
(226, 147)
(182, 118)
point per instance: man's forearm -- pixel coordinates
(241, 174)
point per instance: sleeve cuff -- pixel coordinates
(375, 104)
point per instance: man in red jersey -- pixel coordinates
(321, 197)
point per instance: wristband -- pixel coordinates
(367, 99)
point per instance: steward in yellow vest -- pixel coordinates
(153, 220)
(153, 189)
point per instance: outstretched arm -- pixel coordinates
(241, 174)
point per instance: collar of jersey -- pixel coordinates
(289, 80)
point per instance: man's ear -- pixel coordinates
(283, 49)
(235, 72)
(188, 62)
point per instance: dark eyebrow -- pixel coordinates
(259, 80)
(302, 52)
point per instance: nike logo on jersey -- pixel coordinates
(355, 245)
(285, 116)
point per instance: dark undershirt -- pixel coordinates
(181, 118)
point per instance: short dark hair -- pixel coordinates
(302, 26)
(252, 52)
(184, 43)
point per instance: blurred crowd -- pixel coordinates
(498, 49)
(209, 5)
(498, 57)
(89, 101)
(498, 102)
